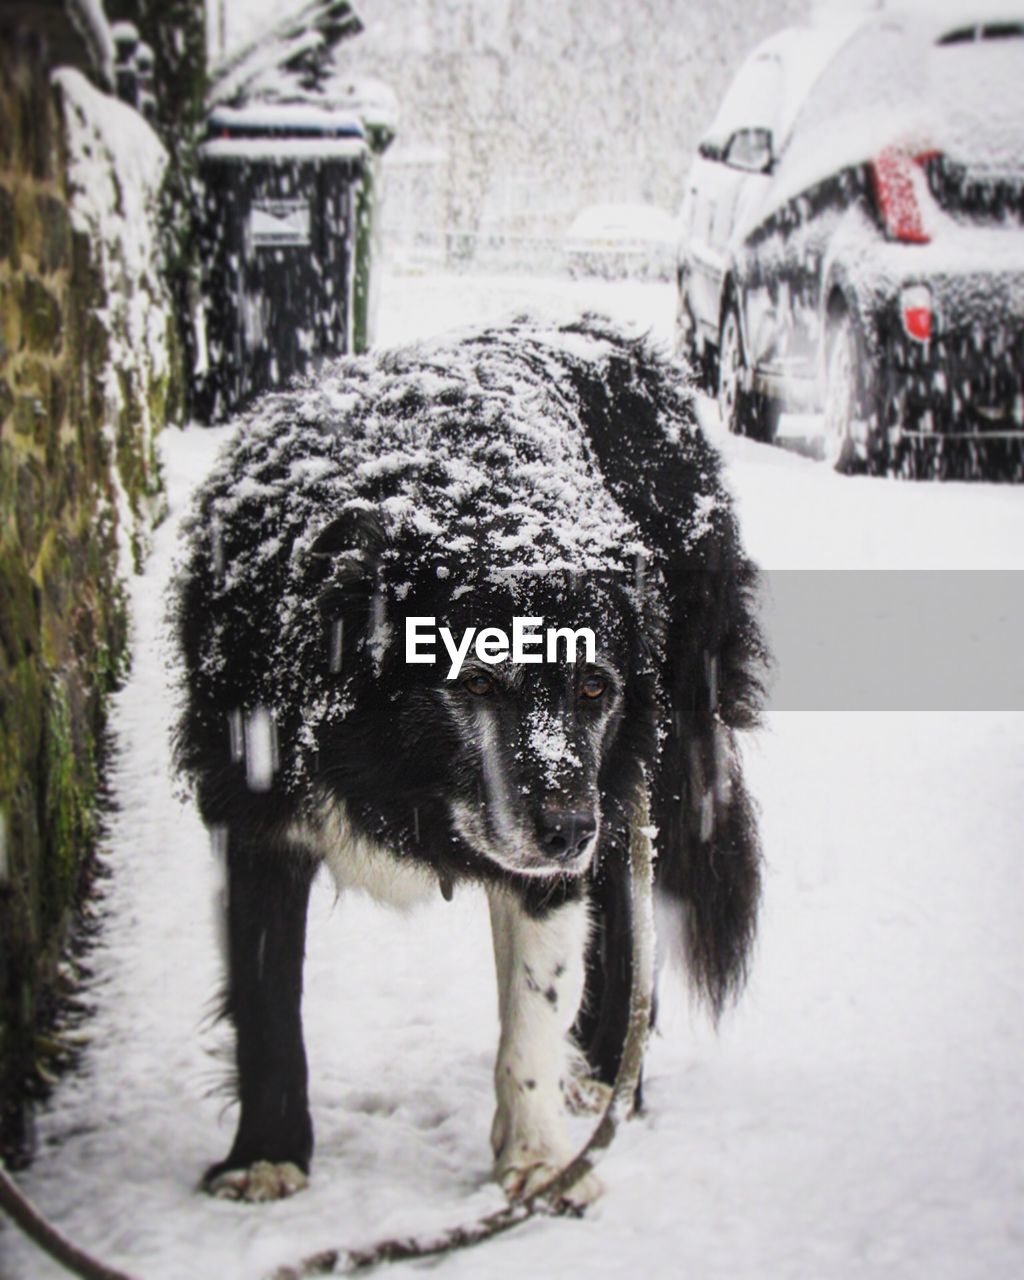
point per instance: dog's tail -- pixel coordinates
(709, 858)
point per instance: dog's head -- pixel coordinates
(514, 754)
(530, 742)
(526, 742)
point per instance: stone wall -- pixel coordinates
(83, 390)
(176, 32)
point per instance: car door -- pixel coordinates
(727, 179)
(711, 200)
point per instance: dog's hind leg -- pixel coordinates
(539, 962)
(267, 898)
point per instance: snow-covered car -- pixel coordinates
(851, 261)
(622, 240)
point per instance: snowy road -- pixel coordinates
(857, 1115)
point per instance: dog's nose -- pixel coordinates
(565, 832)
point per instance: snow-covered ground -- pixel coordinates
(857, 1115)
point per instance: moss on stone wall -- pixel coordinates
(176, 32)
(76, 466)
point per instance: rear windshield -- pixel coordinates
(976, 76)
(977, 79)
(989, 31)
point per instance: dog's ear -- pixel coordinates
(356, 531)
(346, 556)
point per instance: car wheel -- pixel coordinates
(731, 407)
(842, 396)
(764, 418)
(743, 412)
(686, 349)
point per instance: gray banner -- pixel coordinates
(895, 640)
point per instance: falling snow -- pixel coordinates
(857, 1113)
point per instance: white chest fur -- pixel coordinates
(357, 862)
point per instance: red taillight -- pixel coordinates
(894, 181)
(916, 310)
(918, 323)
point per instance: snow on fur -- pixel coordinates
(471, 453)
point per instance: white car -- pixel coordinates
(851, 268)
(622, 240)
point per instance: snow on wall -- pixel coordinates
(115, 169)
(91, 21)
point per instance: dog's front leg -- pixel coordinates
(539, 960)
(267, 898)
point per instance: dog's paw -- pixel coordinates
(520, 1180)
(259, 1183)
(585, 1096)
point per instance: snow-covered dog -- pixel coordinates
(535, 509)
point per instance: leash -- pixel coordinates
(548, 1201)
(25, 1215)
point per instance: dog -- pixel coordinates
(528, 480)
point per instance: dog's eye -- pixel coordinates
(480, 685)
(593, 687)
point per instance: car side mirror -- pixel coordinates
(710, 151)
(750, 150)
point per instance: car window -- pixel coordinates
(977, 83)
(751, 150)
(986, 31)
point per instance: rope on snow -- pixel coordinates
(549, 1200)
(41, 1232)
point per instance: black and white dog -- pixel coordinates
(536, 509)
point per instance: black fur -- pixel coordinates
(401, 487)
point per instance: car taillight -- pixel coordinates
(916, 311)
(896, 194)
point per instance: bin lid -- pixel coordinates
(371, 100)
(282, 130)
